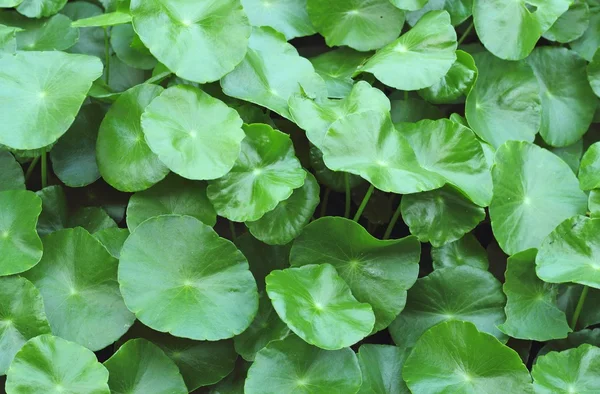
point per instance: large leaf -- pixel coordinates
(459, 10)
(180, 125)
(265, 173)
(337, 68)
(420, 57)
(381, 367)
(454, 357)
(77, 278)
(588, 43)
(465, 251)
(39, 8)
(48, 34)
(378, 272)
(505, 102)
(293, 366)
(317, 305)
(458, 293)
(200, 41)
(47, 364)
(178, 276)
(286, 16)
(11, 173)
(528, 203)
(41, 92)
(571, 25)
(122, 38)
(456, 83)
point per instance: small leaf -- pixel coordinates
(575, 339)
(122, 38)
(39, 8)
(465, 251)
(112, 239)
(288, 16)
(11, 173)
(588, 43)
(55, 33)
(337, 68)
(263, 258)
(589, 170)
(459, 10)
(93, 219)
(571, 25)
(104, 20)
(456, 83)
(54, 210)
(381, 367)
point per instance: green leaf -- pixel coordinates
(458, 293)
(568, 102)
(569, 371)
(49, 34)
(367, 144)
(571, 25)
(20, 244)
(53, 84)
(77, 278)
(179, 126)
(420, 57)
(593, 73)
(23, 317)
(122, 38)
(381, 367)
(9, 3)
(271, 73)
(453, 152)
(528, 203)
(570, 154)
(505, 102)
(337, 68)
(47, 364)
(377, 272)
(569, 253)
(263, 258)
(11, 173)
(122, 77)
(456, 83)
(174, 195)
(316, 117)
(510, 30)
(317, 305)
(574, 340)
(589, 177)
(91, 39)
(531, 308)
(292, 365)
(594, 203)
(40, 8)
(588, 43)
(104, 20)
(454, 357)
(409, 5)
(198, 41)
(360, 24)
(288, 16)
(465, 251)
(334, 180)
(54, 210)
(265, 173)
(133, 166)
(93, 219)
(440, 216)
(178, 276)
(112, 239)
(140, 367)
(459, 10)
(8, 40)
(281, 225)
(413, 110)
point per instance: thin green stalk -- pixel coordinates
(106, 55)
(465, 34)
(232, 229)
(392, 223)
(579, 307)
(31, 168)
(44, 168)
(348, 196)
(406, 95)
(324, 202)
(364, 202)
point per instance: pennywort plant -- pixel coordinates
(299, 196)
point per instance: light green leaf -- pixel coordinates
(104, 20)
(570, 154)
(456, 83)
(528, 203)
(378, 272)
(195, 285)
(589, 170)
(40, 8)
(317, 305)
(594, 203)
(334, 180)
(454, 357)
(588, 43)
(9, 3)
(459, 10)
(8, 40)
(11, 173)
(409, 5)
(457, 293)
(571, 25)
(286, 16)
(49, 34)
(337, 68)
(381, 367)
(593, 73)
(112, 239)
(122, 38)
(420, 57)
(91, 39)
(53, 84)
(465, 251)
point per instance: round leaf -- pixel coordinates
(459, 10)
(377, 272)
(180, 126)
(286, 16)
(317, 305)
(455, 357)
(588, 43)
(455, 83)
(189, 36)
(420, 57)
(569, 371)
(292, 365)
(459, 293)
(122, 38)
(281, 225)
(337, 68)
(178, 276)
(381, 367)
(23, 317)
(55, 33)
(77, 278)
(334, 180)
(528, 203)
(91, 40)
(265, 173)
(53, 84)
(465, 251)
(93, 219)
(47, 364)
(140, 367)
(409, 5)
(112, 239)
(367, 144)
(440, 216)
(54, 210)
(19, 242)
(589, 170)
(11, 173)
(571, 25)
(505, 102)
(360, 24)
(39, 8)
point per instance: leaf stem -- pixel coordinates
(106, 56)
(364, 202)
(232, 229)
(579, 307)
(406, 95)
(44, 168)
(348, 197)
(31, 168)
(392, 223)
(324, 202)
(465, 34)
